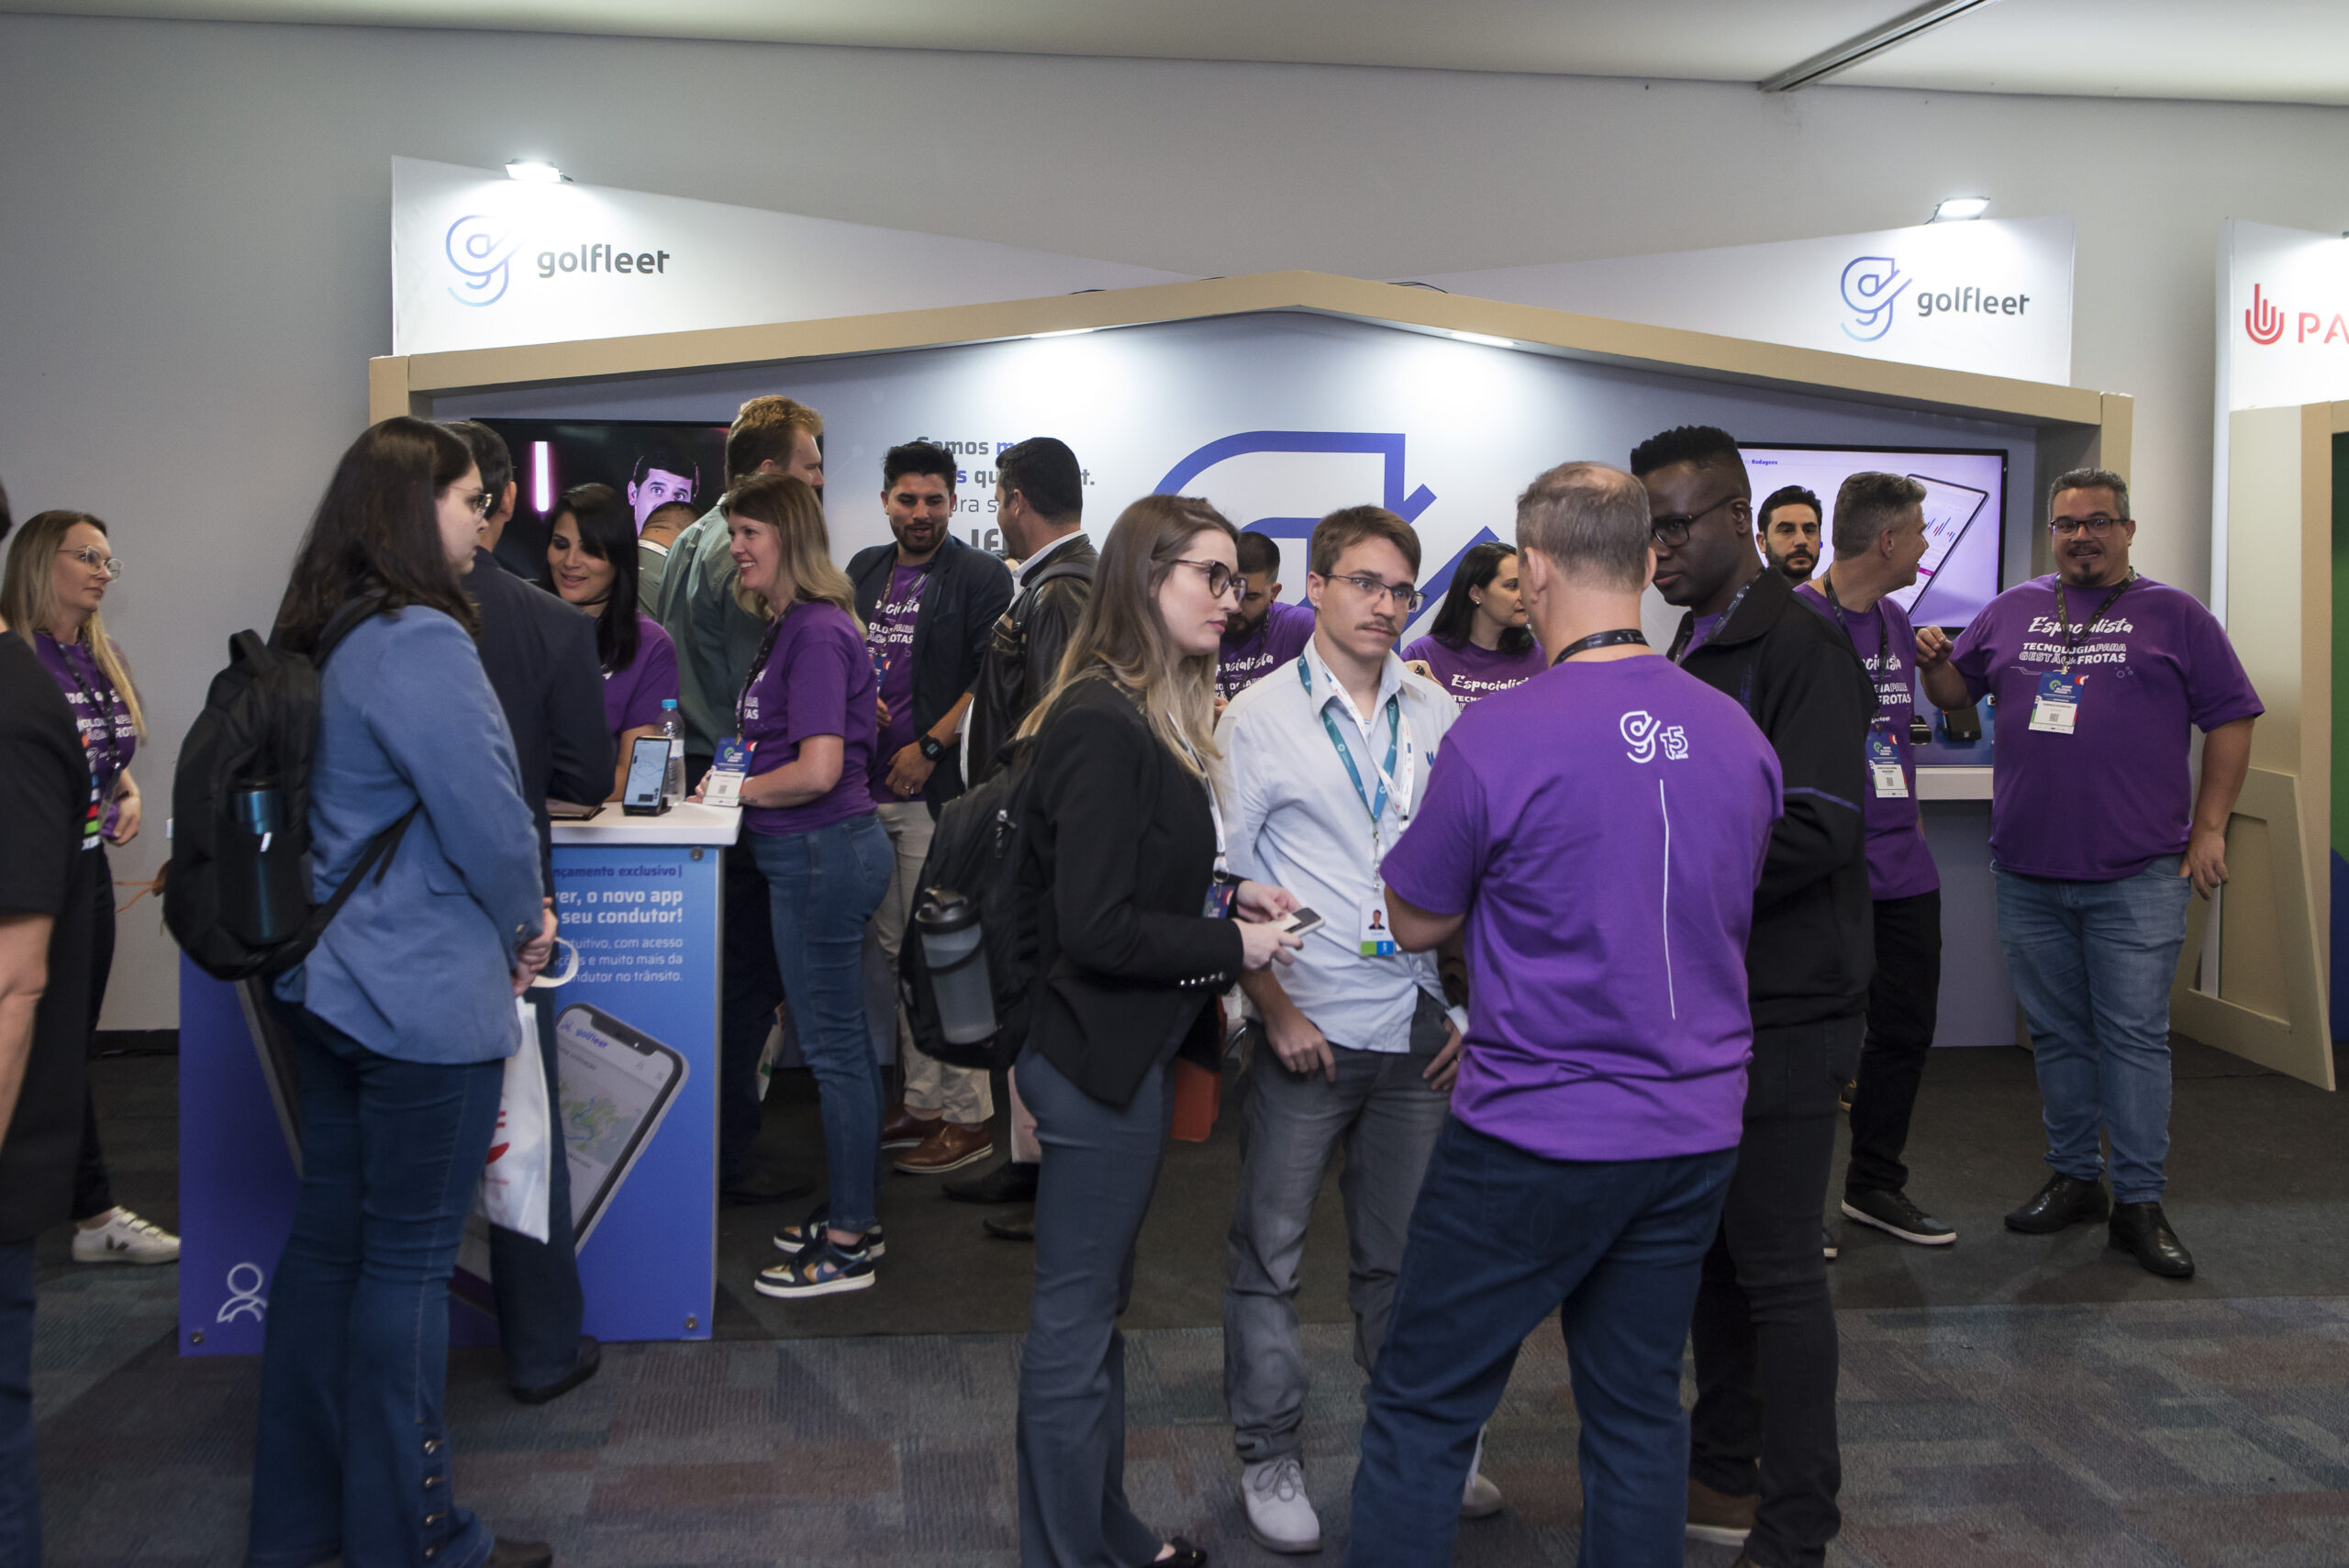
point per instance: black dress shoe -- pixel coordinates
(2140, 1230)
(2064, 1200)
(748, 1196)
(1008, 1182)
(1185, 1555)
(1019, 1228)
(504, 1553)
(591, 1359)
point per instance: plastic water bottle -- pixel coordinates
(672, 730)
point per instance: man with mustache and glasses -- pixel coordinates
(2098, 840)
(1324, 762)
(1789, 519)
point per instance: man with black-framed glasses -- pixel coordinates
(2100, 675)
(1764, 1463)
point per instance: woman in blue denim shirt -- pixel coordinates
(402, 1018)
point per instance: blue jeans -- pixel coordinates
(1498, 1240)
(823, 886)
(352, 1455)
(537, 1282)
(19, 1481)
(2092, 963)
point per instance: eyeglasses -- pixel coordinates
(1672, 532)
(2064, 527)
(479, 502)
(1222, 579)
(1407, 598)
(96, 559)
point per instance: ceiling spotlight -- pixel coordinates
(1487, 341)
(1957, 209)
(536, 171)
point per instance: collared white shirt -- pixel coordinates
(1019, 572)
(1295, 819)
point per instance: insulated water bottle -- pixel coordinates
(951, 945)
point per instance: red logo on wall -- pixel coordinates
(2263, 321)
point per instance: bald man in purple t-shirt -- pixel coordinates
(1596, 835)
(2100, 673)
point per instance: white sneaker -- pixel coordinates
(1280, 1516)
(124, 1239)
(1479, 1499)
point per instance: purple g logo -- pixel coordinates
(479, 251)
(1870, 284)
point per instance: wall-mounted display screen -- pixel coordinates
(650, 462)
(1964, 515)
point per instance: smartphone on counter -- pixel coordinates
(648, 767)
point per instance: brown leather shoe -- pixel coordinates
(949, 1147)
(903, 1129)
(1718, 1518)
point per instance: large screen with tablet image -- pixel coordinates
(1964, 515)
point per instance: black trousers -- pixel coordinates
(1903, 1000)
(1764, 1329)
(751, 988)
(93, 1189)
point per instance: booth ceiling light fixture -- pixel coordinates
(1489, 342)
(536, 171)
(1875, 41)
(1069, 332)
(1958, 209)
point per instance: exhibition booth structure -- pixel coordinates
(1280, 397)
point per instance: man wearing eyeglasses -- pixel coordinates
(1324, 761)
(2098, 673)
(1764, 1464)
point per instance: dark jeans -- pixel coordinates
(352, 1455)
(92, 1191)
(1501, 1238)
(1764, 1327)
(1100, 1167)
(823, 886)
(537, 1282)
(750, 990)
(1904, 999)
(19, 1481)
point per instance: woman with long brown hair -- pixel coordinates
(809, 711)
(59, 569)
(1138, 928)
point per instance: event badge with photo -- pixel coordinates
(2058, 707)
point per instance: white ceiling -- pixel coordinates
(2264, 51)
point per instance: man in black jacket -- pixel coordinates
(1040, 500)
(1765, 1325)
(539, 655)
(929, 603)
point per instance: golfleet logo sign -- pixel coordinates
(1872, 288)
(481, 251)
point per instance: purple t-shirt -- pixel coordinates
(99, 713)
(1899, 865)
(1603, 826)
(1280, 637)
(1469, 671)
(2106, 800)
(632, 696)
(889, 640)
(816, 681)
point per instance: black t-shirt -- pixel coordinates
(45, 796)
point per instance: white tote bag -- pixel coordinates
(514, 1179)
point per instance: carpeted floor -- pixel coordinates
(2008, 1403)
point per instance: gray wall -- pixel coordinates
(194, 237)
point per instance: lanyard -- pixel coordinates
(102, 712)
(1215, 812)
(1600, 640)
(2065, 621)
(1680, 650)
(1375, 805)
(1883, 634)
(758, 668)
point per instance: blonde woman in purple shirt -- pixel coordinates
(809, 712)
(592, 559)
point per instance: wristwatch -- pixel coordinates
(932, 748)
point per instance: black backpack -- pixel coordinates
(237, 894)
(975, 851)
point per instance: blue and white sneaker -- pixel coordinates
(825, 1268)
(793, 1239)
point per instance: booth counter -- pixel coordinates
(636, 1030)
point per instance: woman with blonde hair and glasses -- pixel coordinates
(59, 571)
(808, 712)
(1137, 929)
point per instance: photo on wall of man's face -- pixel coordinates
(651, 463)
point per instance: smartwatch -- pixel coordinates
(932, 748)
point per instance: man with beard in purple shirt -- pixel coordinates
(1263, 634)
(2098, 673)
(1596, 833)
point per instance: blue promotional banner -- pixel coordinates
(634, 1101)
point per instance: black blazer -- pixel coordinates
(967, 592)
(1118, 853)
(539, 654)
